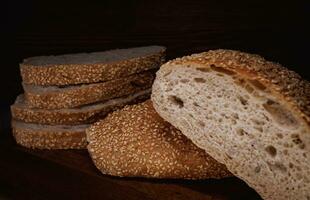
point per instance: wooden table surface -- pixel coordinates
(278, 30)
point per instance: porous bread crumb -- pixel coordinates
(246, 112)
(290, 84)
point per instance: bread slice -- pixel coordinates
(248, 113)
(53, 97)
(73, 116)
(65, 128)
(136, 142)
(49, 137)
(93, 67)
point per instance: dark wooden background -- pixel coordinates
(278, 30)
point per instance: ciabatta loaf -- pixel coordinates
(93, 67)
(136, 141)
(248, 113)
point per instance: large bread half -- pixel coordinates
(136, 141)
(55, 97)
(248, 113)
(73, 116)
(93, 67)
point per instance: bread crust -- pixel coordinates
(82, 115)
(69, 74)
(282, 82)
(277, 82)
(48, 138)
(75, 96)
(137, 142)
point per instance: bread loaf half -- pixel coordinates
(53, 97)
(136, 141)
(248, 113)
(93, 67)
(73, 116)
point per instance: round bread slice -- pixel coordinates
(248, 113)
(39, 136)
(71, 69)
(136, 142)
(73, 116)
(55, 97)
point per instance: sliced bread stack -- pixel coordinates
(64, 94)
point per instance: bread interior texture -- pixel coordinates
(240, 122)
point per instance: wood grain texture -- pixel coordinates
(278, 30)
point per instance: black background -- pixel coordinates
(278, 30)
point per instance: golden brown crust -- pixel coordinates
(135, 141)
(86, 94)
(49, 138)
(285, 83)
(82, 115)
(88, 73)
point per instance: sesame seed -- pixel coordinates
(132, 147)
(65, 74)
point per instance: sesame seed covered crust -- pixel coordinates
(49, 137)
(283, 82)
(90, 67)
(73, 116)
(137, 142)
(75, 96)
